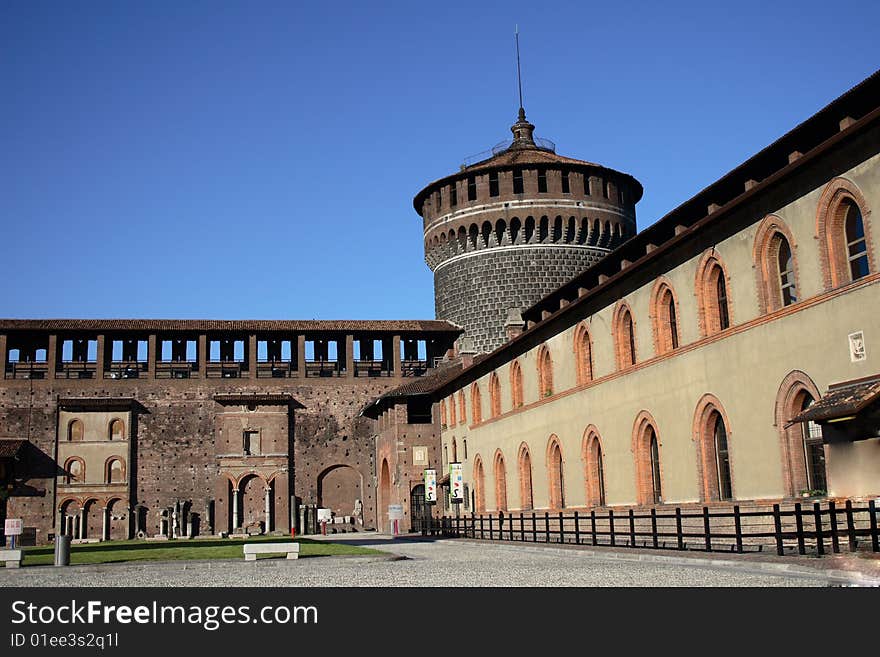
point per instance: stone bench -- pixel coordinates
(251, 550)
(11, 557)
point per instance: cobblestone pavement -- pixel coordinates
(441, 563)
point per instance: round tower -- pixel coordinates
(506, 230)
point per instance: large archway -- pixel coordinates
(252, 500)
(339, 489)
(117, 520)
(384, 495)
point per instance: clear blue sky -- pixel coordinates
(259, 159)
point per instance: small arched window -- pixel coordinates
(500, 482)
(452, 420)
(116, 430)
(655, 466)
(516, 385)
(721, 296)
(555, 474)
(583, 355)
(75, 430)
(494, 395)
(722, 457)
(442, 413)
(476, 405)
(525, 479)
(625, 338)
(856, 245)
(665, 317)
(115, 471)
(464, 449)
(775, 263)
(594, 467)
(713, 296)
(785, 267)
(462, 408)
(454, 450)
(545, 373)
(479, 485)
(76, 471)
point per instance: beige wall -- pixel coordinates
(854, 468)
(744, 368)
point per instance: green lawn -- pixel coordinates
(209, 548)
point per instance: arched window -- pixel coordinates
(583, 354)
(555, 474)
(479, 487)
(594, 467)
(545, 373)
(646, 450)
(500, 482)
(712, 295)
(494, 395)
(443, 413)
(116, 430)
(775, 265)
(525, 478)
(452, 421)
(711, 434)
(624, 337)
(75, 430)
(803, 452)
(476, 405)
(462, 408)
(516, 385)
(454, 451)
(842, 226)
(464, 448)
(114, 471)
(856, 244)
(76, 471)
(664, 315)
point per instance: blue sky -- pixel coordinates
(259, 160)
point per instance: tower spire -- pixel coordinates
(522, 130)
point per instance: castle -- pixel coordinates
(722, 354)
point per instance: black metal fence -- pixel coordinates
(800, 529)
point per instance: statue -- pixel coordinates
(358, 510)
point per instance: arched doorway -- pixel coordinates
(420, 512)
(117, 520)
(252, 491)
(339, 489)
(384, 495)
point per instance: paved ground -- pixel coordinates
(449, 563)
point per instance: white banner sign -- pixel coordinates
(12, 527)
(456, 482)
(430, 485)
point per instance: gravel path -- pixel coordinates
(427, 563)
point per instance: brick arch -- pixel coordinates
(524, 471)
(462, 408)
(443, 421)
(479, 485)
(108, 463)
(710, 268)
(545, 372)
(555, 473)
(452, 418)
(830, 215)
(583, 353)
(243, 477)
(68, 500)
(624, 332)
(500, 471)
(75, 430)
(643, 426)
(494, 395)
(789, 401)
(594, 466)
(113, 424)
(338, 486)
(271, 478)
(384, 491)
(516, 385)
(476, 404)
(707, 457)
(765, 257)
(665, 316)
(67, 469)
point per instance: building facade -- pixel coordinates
(679, 368)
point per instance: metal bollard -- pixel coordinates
(62, 550)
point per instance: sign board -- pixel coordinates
(325, 515)
(456, 483)
(12, 527)
(430, 486)
(420, 455)
(395, 512)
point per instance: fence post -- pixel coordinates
(875, 539)
(510, 517)
(593, 525)
(457, 526)
(817, 515)
(678, 532)
(473, 524)
(611, 525)
(534, 528)
(799, 523)
(561, 528)
(850, 526)
(632, 529)
(654, 526)
(737, 524)
(777, 530)
(491, 535)
(577, 529)
(706, 529)
(522, 528)
(481, 527)
(546, 526)
(832, 517)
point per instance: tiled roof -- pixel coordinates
(243, 325)
(10, 448)
(848, 398)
